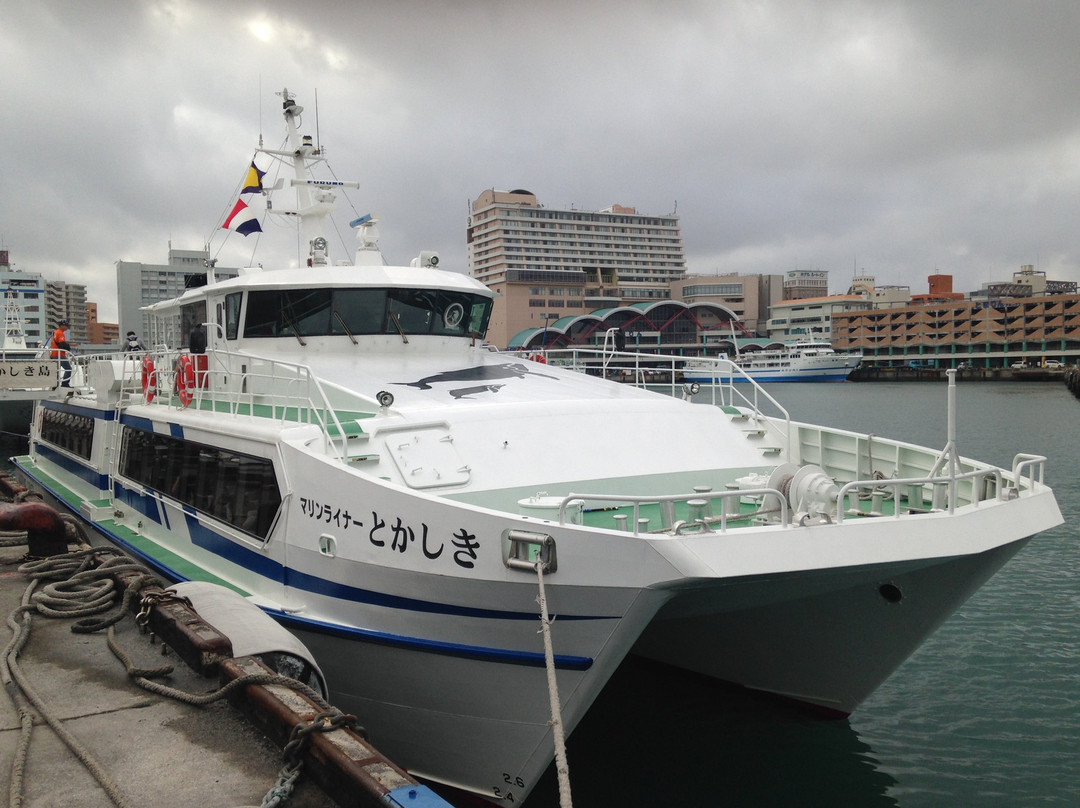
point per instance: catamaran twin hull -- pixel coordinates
(420, 603)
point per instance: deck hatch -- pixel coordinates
(427, 457)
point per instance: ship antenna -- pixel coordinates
(318, 138)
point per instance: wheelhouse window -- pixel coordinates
(233, 487)
(328, 312)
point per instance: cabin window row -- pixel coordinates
(69, 431)
(233, 487)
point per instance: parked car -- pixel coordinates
(1053, 363)
(1018, 365)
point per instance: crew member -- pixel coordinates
(61, 350)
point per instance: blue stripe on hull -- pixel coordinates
(227, 549)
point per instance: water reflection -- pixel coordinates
(659, 736)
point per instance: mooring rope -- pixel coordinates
(13, 674)
(78, 588)
(562, 768)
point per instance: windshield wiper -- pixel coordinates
(397, 325)
(347, 331)
(296, 331)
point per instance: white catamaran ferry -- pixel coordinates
(349, 456)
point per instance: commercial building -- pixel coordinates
(28, 290)
(139, 285)
(804, 283)
(748, 296)
(546, 264)
(812, 318)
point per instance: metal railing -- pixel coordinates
(230, 384)
(944, 495)
(706, 520)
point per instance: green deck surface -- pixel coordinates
(300, 415)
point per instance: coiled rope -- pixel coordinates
(24, 695)
(81, 588)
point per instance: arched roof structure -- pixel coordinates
(667, 322)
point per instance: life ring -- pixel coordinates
(539, 357)
(185, 379)
(149, 379)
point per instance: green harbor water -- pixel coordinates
(986, 713)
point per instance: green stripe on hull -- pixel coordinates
(164, 557)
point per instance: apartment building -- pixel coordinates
(139, 285)
(66, 301)
(546, 263)
(97, 332)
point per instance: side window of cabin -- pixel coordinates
(478, 316)
(232, 315)
(232, 487)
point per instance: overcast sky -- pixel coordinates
(896, 138)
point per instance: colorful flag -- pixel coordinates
(253, 180)
(242, 219)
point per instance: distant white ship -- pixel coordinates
(797, 362)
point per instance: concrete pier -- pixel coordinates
(156, 750)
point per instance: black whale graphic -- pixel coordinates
(513, 370)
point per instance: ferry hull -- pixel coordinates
(827, 638)
(459, 695)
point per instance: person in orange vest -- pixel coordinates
(61, 350)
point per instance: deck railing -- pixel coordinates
(229, 383)
(662, 371)
(925, 494)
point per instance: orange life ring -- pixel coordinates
(539, 357)
(149, 379)
(185, 379)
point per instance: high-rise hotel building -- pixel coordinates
(547, 264)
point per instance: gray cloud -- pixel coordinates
(902, 138)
